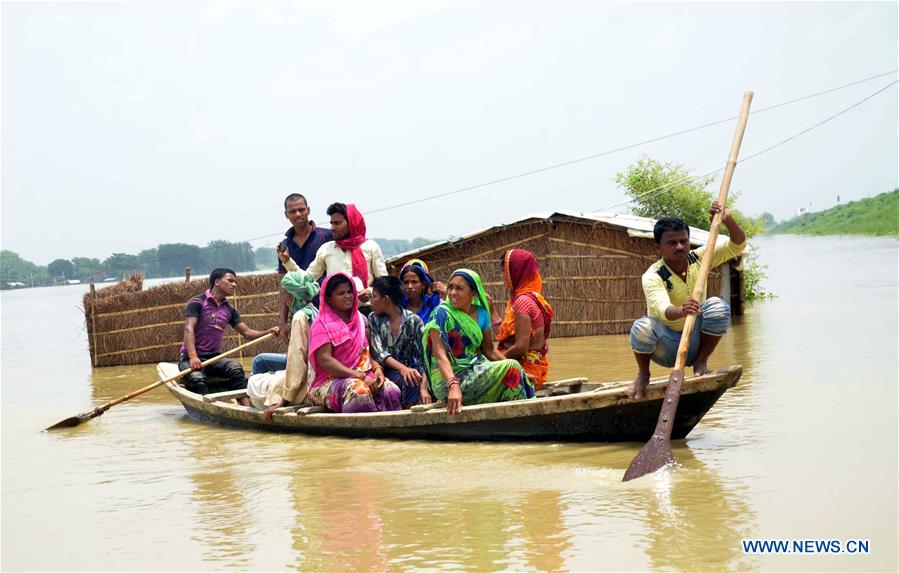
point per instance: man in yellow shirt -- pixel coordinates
(668, 286)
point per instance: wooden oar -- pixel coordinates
(81, 418)
(657, 451)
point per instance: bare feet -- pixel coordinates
(636, 388)
(700, 368)
(269, 412)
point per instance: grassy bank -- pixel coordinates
(877, 215)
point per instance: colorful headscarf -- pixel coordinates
(459, 333)
(303, 287)
(429, 300)
(522, 277)
(353, 242)
(347, 339)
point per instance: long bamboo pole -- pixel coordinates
(657, 452)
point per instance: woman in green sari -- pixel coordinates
(462, 364)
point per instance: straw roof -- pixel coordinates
(634, 225)
(591, 265)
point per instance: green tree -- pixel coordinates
(392, 247)
(149, 260)
(120, 264)
(235, 256)
(14, 269)
(173, 257)
(768, 222)
(265, 258)
(87, 270)
(61, 268)
(668, 190)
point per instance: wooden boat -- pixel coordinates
(573, 409)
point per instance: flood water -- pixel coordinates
(804, 447)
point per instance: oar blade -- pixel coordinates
(657, 453)
(74, 420)
(653, 456)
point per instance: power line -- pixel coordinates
(610, 152)
(672, 185)
(822, 122)
(622, 148)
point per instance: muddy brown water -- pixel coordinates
(805, 447)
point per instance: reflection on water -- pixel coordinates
(786, 453)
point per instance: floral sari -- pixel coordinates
(482, 381)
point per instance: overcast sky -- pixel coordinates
(126, 125)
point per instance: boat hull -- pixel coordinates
(605, 414)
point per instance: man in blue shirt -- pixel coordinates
(301, 242)
(303, 238)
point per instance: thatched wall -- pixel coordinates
(127, 325)
(591, 271)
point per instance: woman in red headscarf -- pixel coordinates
(525, 328)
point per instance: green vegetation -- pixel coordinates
(391, 247)
(165, 260)
(667, 190)
(14, 269)
(871, 216)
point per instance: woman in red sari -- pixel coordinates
(526, 325)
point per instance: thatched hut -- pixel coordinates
(591, 266)
(128, 325)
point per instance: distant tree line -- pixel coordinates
(165, 260)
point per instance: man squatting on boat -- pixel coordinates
(668, 285)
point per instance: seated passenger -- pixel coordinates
(423, 294)
(462, 364)
(668, 285)
(350, 251)
(395, 337)
(525, 329)
(346, 380)
(298, 291)
(205, 318)
(291, 387)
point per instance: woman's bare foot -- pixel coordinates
(636, 388)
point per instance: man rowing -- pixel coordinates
(205, 318)
(668, 286)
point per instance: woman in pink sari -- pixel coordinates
(346, 379)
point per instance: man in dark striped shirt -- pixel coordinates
(205, 318)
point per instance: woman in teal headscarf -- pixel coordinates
(462, 364)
